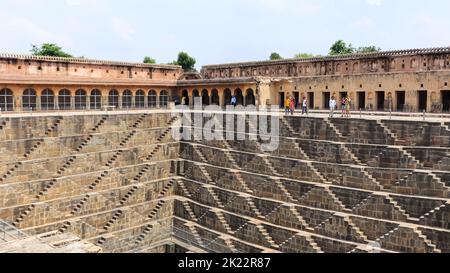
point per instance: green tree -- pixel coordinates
(368, 49)
(186, 61)
(341, 48)
(275, 56)
(48, 49)
(304, 56)
(149, 60)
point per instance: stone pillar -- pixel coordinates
(133, 102)
(429, 101)
(146, 101)
(17, 103)
(104, 101)
(120, 101)
(72, 102)
(221, 99)
(56, 101)
(88, 102)
(38, 103)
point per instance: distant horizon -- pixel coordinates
(219, 32)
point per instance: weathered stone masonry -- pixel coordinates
(122, 183)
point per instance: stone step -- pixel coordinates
(187, 207)
(215, 197)
(155, 211)
(144, 234)
(166, 189)
(223, 220)
(288, 195)
(229, 244)
(253, 207)
(267, 236)
(23, 215)
(183, 188)
(113, 220)
(129, 194)
(197, 237)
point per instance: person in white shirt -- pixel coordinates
(333, 105)
(305, 106)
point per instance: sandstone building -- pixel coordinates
(405, 80)
(120, 182)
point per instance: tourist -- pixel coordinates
(234, 101)
(344, 105)
(292, 106)
(287, 106)
(348, 106)
(333, 105)
(305, 106)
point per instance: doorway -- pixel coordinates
(401, 100)
(282, 97)
(362, 100)
(297, 99)
(326, 100)
(445, 95)
(311, 100)
(423, 100)
(380, 100)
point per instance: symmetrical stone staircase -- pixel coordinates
(245, 203)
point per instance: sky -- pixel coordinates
(219, 31)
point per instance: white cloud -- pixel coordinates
(24, 29)
(122, 28)
(83, 2)
(295, 6)
(364, 22)
(374, 2)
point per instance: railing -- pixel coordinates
(10, 233)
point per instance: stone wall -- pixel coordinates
(122, 183)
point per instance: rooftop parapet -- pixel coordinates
(393, 53)
(85, 61)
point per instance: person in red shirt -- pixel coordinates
(292, 105)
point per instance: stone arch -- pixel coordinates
(127, 99)
(250, 97)
(64, 99)
(96, 99)
(205, 97)
(163, 99)
(152, 99)
(29, 99)
(47, 99)
(227, 97)
(239, 96)
(113, 98)
(139, 99)
(195, 94)
(185, 95)
(6, 100)
(80, 99)
(215, 99)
